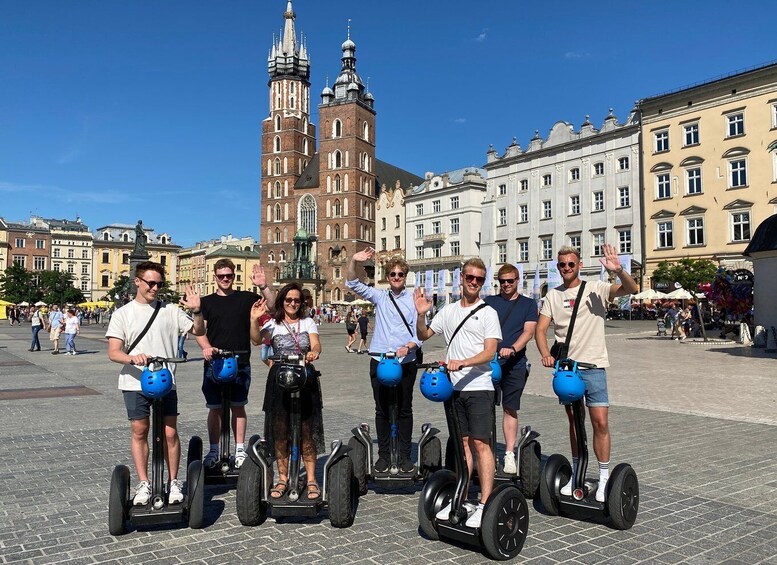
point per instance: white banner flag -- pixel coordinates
(456, 283)
(554, 277)
(519, 266)
(429, 282)
(535, 291)
(441, 278)
(602, 273)
(488, 287)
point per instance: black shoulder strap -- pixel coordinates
(401, 315)
(574, 315)
(483, 305)
(148, 325)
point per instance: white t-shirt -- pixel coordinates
(468, 342)
(161, 340)
(298, 341)
(71, 325)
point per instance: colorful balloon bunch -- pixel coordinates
(726, 294)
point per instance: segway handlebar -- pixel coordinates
(225, 353)
(433, 365)
(287, 357)
(152, 359)
(385, 354)
(570, 362)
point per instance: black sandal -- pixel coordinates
(279, 489)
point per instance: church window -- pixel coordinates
(277, 123)
(277, 166)
(338, 186)
(308, 214)
(277, 144)
(338, 160)
(337, 128)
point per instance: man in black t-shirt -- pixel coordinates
(227, 314)
(364, 326)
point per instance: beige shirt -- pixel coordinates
(588, 344)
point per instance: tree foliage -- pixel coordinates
(56, 287)
(690, 273)
(53, 287)
(17, 285)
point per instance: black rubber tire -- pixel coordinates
(505, 524)
(358, 455)
(531, 469)
(251, 509)
(555, 475)
(623, 496)
(254, 438)
(431, 458)
(436, 494)
(194, 452)
(195, 494)
(343, 496)
(118, 501)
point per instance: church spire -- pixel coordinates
(289, 34)
(286, 57)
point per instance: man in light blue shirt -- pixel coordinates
(395, 314)
(55, 326)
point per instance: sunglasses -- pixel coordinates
(152, 284)
(477, 279)
(399, 275)
(292, 301)
(506, 281)
(570, 264)
(226, 277)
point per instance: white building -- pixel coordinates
(442, 222)
(578, 188)
(390, 236)
(71, 249)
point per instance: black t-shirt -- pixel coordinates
(363, 321)
(229, 321)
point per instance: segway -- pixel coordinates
(338, 490)
(505, 522)
(429, 459)
(224, 371)
(622, 493)
(156, 381)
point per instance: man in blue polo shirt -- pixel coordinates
(395, 315)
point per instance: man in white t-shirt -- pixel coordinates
(468, 362)
(587, 344)
(161, 340)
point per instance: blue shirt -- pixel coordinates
(523, 310)
(390, 333)
(55, 318)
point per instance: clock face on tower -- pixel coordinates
(340, 91)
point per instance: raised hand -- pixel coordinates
(422, 304)
(610, 260)
(363, 255)
(257, 275)
(258, 309)
(191, 298)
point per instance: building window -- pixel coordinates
(598, 169)
(383, 224)
(338, 273)
(396, 221)
(436, 227)
(125, 258)
(663, 186)
(502, 189)
(738, 174)
(106, 257)
(624, 197)
(104, 281)
(383, 244)
(623, 164)
(524, 185)
(502, 217)
(547, 248)
(277, 236)
(19, 243)
(437, 251)
(71, 253)
(455, 248)
(277, 144)
(665, 238)
(661, 141)
(39, 263)
(20, 260)
(740, 226)
(436, 206)
(85, 253)
(419, 231)
(338, 185)
(397, 242)
(574, 174)
(454, 202)
(39, 244)
(419, 252)
(574, 241)
(308, 220)
(624, 241)
(574, 205)
(695, 231)
(547, 209)
(598, 243)
(454, 226)
(84, 286)
(337, 128)
(57, 253)
(547, 180)
(691, 134)
(523, 251)
(598, 201)
(523, 213)
(419, 209)
(501, 251)
(694, 180)
(736, 124)
(71, 268)
(85, 269)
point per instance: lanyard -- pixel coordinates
(294, 336)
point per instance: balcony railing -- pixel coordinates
(434, 237)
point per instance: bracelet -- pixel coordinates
(195, 312)
(513, 348)
(263, 287)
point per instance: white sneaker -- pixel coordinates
(142, 493)
(445, 512)
(240, 456)
(475, 518)
(566, 490)
(601, 492)
(509, 463)
(210, 460)
(175, 492)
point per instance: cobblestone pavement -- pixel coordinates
(697, 422)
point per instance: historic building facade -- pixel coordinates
(195, 264)
(577, 188)
(29, 246)
(390, 230)
(71, 250)
(4, 247)
(709, 157)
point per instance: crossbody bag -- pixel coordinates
(561, 350)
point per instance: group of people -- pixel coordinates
(475, 332)
(56, 323)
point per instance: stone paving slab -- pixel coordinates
(697, 423)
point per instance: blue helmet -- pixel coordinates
(567, 384)
(496, 370)
(389, 371)
(156, 384)
(224, 370)
(435, 385)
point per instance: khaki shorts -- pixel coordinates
(55, 333)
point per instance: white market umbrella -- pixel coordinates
(23, 304)
(680, 294)
(40, 303)
(649, 294)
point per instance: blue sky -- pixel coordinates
(124, 110)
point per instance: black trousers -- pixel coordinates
(382, 396)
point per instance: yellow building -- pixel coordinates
(390, 236)
(709, 177)
(195, 264)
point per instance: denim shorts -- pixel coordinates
(595, 387)
(238, 388)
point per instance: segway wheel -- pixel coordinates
(436, 494)
(194, 452)
(343, 495)
(555, 475)
(251, 509)
(431, 457)
(623, 496)
(195, 494)
(118, 501)
(505, 524)
(358, 455)
(531, 464)
(252, 440)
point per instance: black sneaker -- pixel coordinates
(381, 465)
(406, 465)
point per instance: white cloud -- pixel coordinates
(51, 192)
(482, 35)
(459, 120)
(576, 55)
